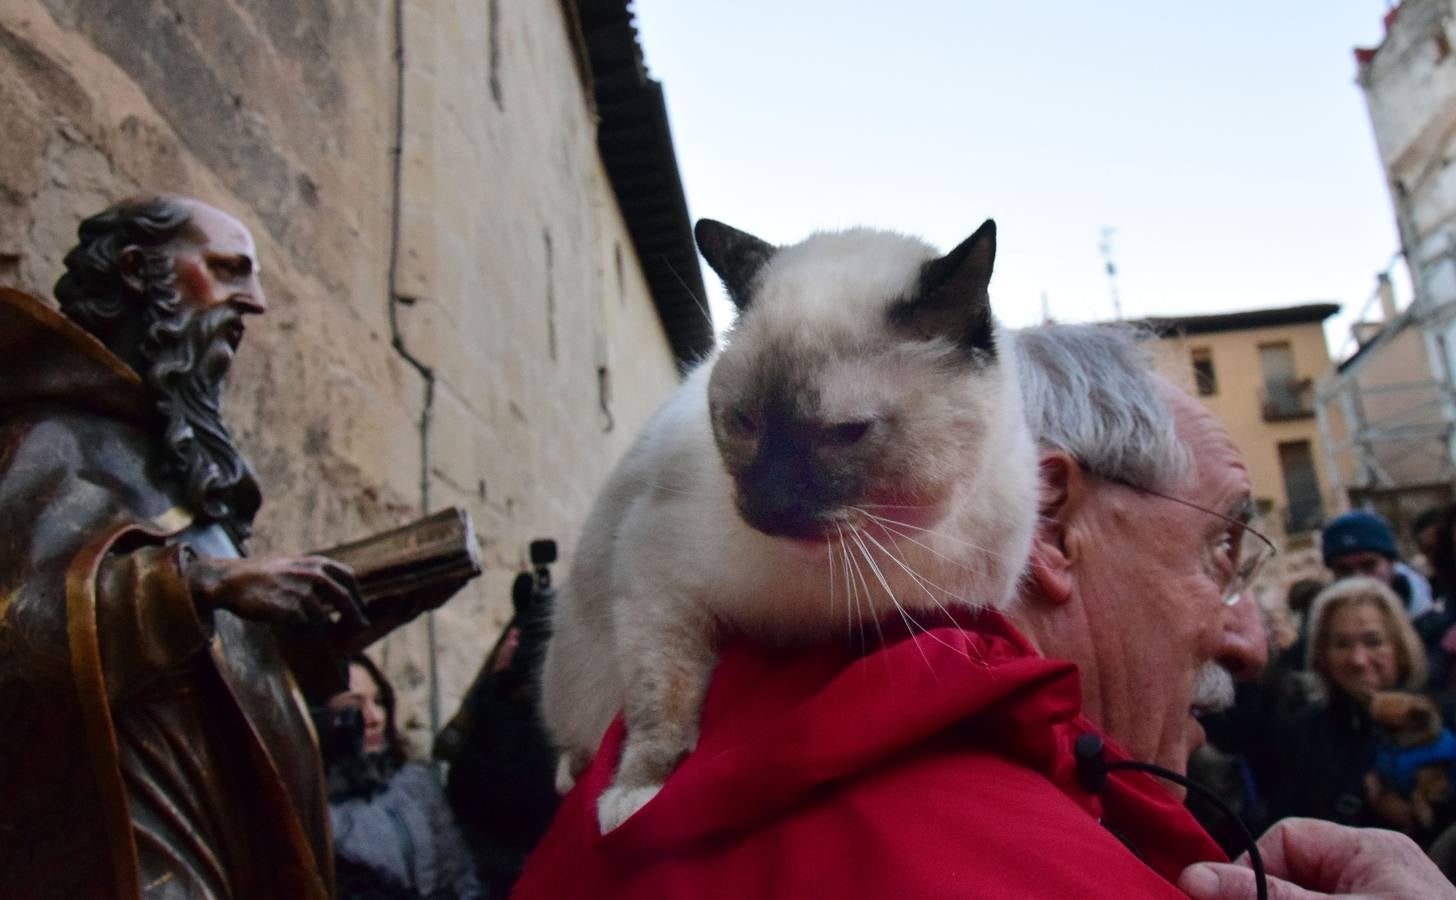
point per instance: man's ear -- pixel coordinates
(1063, 486)
(129, 265)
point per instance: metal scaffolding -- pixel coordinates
(1388, 419)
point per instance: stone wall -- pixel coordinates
(516, 279)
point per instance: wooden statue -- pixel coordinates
(152, 740)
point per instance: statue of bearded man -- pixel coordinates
(154, 743)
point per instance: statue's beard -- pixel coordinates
(188, 355)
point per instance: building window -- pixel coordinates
(1203, 374)
(1301, 487)
(1284, 395)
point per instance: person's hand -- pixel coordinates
(1307, 859)
(305, 590)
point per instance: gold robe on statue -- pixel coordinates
(145, 751)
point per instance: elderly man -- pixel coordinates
(945, 762)
(154, 743)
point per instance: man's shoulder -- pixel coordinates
(1010, 828)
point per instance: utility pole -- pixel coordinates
(1046, 309)
(1105, 245)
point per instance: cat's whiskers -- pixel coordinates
(869, 593)
(890, 525)
(870, 605)
(833, 564)
(659, 486)
(850, 617)
(851, 597)
(911, 623)
(859, 616)
(898, 527)
(898, 557)
(922, 583)
(702, 307)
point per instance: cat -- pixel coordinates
(857, 449)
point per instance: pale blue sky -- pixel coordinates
(1227, 143)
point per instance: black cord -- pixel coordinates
(1261, 884)
(1092, 769)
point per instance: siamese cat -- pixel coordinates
(857, 450)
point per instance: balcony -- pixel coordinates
(1285, 401)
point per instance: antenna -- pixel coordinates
(1046, 309)
(1105, 245)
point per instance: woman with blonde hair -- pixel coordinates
(1360, 642)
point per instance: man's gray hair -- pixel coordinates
(1090, 391)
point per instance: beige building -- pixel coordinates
(482, 319)
(1256, 371)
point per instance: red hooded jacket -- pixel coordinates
(937, 766)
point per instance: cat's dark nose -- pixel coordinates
(784, 520)
(779, 494)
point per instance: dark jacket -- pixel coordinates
(1325, 751)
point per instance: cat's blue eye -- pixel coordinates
(846, 433)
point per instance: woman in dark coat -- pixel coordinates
(1360, 642)
(394, 835)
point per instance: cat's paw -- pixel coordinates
(565, 774)
(617, 804)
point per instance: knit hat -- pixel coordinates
(1358, 531)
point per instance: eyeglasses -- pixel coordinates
(1247, 550)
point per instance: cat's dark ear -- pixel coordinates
(736, 256)
(952, 301)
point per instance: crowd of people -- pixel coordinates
(1347, 723)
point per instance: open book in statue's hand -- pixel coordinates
(401, 573)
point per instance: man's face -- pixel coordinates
(1363, 562)
(1151, 574)
(216, 263)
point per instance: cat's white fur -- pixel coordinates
(665, 564)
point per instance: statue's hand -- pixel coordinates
(304, 590)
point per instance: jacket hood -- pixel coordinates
(806, 717)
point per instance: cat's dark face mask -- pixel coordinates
(803, 468)
(797, 474)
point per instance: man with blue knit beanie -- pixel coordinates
(1363, 543)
